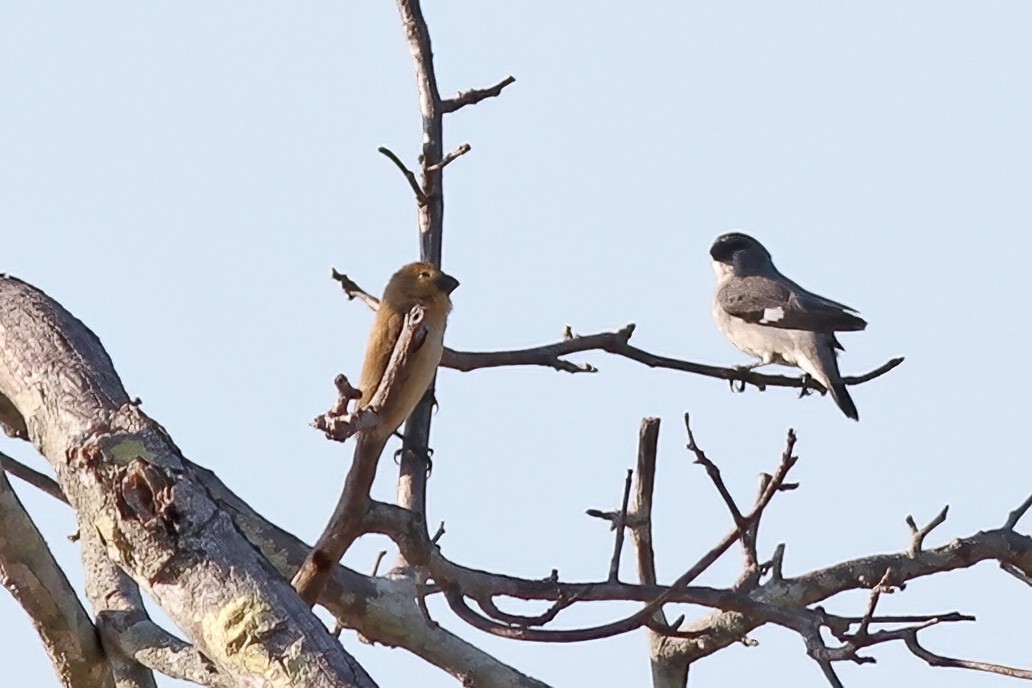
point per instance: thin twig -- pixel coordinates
(475, 95)
(379, 559)
(619, 525)
(714, 474)
(410, 176)
(353, 291)
(941, 661)
(917, 535)
(615, 343)
(1016, 572)
(32, 477)
(450, 158)
(488, 606)
(829, 673)
(884, 585)
(1015, 516)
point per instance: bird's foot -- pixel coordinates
(807, 389)
(738, 385)
(426, 454)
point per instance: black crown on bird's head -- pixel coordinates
(727, 245)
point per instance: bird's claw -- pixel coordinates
(425, 454)
(740, 386)
(806, 390)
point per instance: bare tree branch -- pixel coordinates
(1003, 545)
(451, 157)
(28, 570)
(475, 95)
(133, 642)
(353, 291)
(32, 477)
(1015, 516)
(616, 343)
(345, 522)
(941, 661)
(383, 610)
(667, 672)
(409, 175)
(414, 463)
(917, 535)
(617, 523)
(125, 478)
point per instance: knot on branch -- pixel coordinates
(145, 494)
(339, 423)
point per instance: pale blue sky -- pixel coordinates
(182, 177)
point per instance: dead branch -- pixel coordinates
(617, 523)
(35, 579)
(124, 476)
(409, 175)
(791, 594)
(134, 644)
(1015, 516)
(616, 343)
(475, 95)
(917, 535)
(345, 522)
(451, 157)
(935, 660)
(32, 477)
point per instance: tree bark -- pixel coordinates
(125, 479)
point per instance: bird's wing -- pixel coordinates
(776, 303)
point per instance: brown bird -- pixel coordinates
(415, 284)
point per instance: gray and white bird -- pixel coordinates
(769, 316)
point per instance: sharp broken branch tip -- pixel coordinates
(439, 534)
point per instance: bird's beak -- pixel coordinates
(447, 283)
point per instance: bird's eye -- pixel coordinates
(424, 275)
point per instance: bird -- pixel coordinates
(768, 316)
(416, 284)
(420, 284)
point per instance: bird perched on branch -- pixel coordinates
(769, 316)
(415, 284)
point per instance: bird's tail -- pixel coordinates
(822, 364)
(843, 400)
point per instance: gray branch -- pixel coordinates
(28, 570)
(134, 643)
(126, 480)
(617, 343)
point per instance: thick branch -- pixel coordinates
(133, 642)
(125, 478)
(348, 595)
(28, 570)
(666, 672)
(414, 465)
(380, 610)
